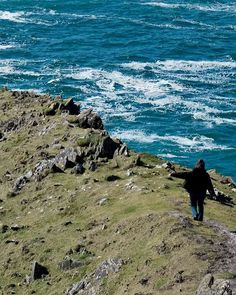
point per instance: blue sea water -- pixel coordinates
(161, 74)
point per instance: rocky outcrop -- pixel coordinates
(91, 284)
(210, 286)
(68, 106)
(89, 119)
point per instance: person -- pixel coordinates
(197, 182)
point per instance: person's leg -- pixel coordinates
(193, 203)
(201, 208)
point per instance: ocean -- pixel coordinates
(162, 75)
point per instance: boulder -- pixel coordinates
(38, 271)
(89, 119)
(210, 286)
(107, 147)
(68, 263)
(70, 106)
(67, 158)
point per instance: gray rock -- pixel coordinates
(88, 119)
(38, 271)
(20, 183)
(209, 286)
(78, 169)
(92, 166)
(70, 106)
(102, 202)
(69, 264)
(76, 288)
(67, 158)
(91, 285)
(122, 151)
(109, 265)
(107, 147)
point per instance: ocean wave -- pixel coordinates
(7, 46)
(17, 17)
(211, 8)
(21, 17)
(193, 143)
(171, 156)
(212, 119)
(108, 81)
(181, 65)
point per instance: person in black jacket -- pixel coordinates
(197, 182)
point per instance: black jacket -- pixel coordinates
(196, 181)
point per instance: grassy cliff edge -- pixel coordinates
(69, 193)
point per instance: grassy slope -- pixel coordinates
(147, 218)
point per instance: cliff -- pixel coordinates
(80, 213)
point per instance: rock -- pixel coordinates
(112, 177)
(76, 288)
(144, 281)
(2, 136)
(209, 286)
(69, 264)
(92, 283)
(107, 148)
(66, 223)
(88, 119)
(122, 151)
(78, 169)
(3, 228)
(102, 202)
(67, 158)
(38, 271)
(109, 265)
(70, 106)
(179, 277)
(16, 227)
(169, 166)
(20, 183)
(52, 109)
(92, 166)
(16, 242)
(130, 172)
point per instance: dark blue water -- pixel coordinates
(161, 74)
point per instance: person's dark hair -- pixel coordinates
(200, 164)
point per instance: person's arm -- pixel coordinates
(210, 186)
(182, 175)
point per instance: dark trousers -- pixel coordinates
(197, 205)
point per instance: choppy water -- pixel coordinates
(161, 74)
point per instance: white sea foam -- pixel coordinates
(107, 81)
(17, 17)
(7, 46)
(213, 7)
(21, 17)
(195, 143)
(171, 156)
(182, 65)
